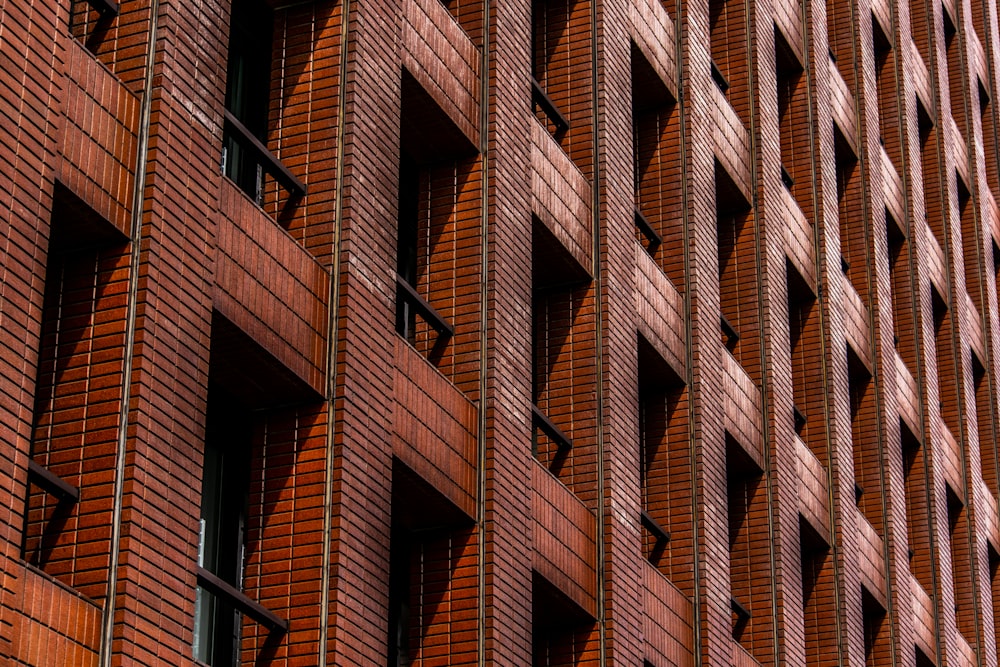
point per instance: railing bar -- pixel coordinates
(238, 599)
(548, 106)
(800, 418)
(719, 78)
(786, 178)
(542, 421)
(433, 317)
(52, 482)
(647, 230)
(739, 608)
(654, 527)
(729, 330)
(271, 164)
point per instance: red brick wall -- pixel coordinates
(364, 436)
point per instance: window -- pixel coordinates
(727, 34)
(864, 440)
(563, 369)
(561, 62)
(818, 602)
(956, 74)
(247, 91)
(873, 616)
(223, 523)
(737, 253)
(902, 303)
(917, 511)
(657, 168)
(245, 157)
(885, 82)
(962, 573)
(663, 448)
(851, 215)
(652, 108)
(948, 380)
(219, 602)
(792, 111)
(68, 503)
(802, 335)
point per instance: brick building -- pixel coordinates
(552, 332)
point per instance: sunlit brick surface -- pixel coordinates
(599, 332)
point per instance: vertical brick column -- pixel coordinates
(31, 61)
(507, 501)
(357, 621)
(705, 376)
(620, 504)
(839, 587)
(154, 615)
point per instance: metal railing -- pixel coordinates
(646, 229)
(241, 602)
(52, 483)
(408, 295)
(264, 158)
(541, 421)
(548, 107)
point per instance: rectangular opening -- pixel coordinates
(657, 169)
(91, 20)
(749, 561)
(864, 441)
(934, 208)
(903, 321)
(438, 249)
(840, 23)
(885, 82)
(561, 71)
(225, 488)
(985, 424)
(956, 74)
(971, 244)
(246, 159)
(664, 458)
(960, 545)
(737, 257)
(990, 147)
(431, 554)
(993, 561)
(730, 55)
(921, 27)
(792, 113)
(948, 381)
(818, 599)
(260, 434)
(652, 107)
(804, 338)
(564, 369)
(470, 16)
(917, 509)
(851, 215)
(561, 632)
(77, 399)
(877, 652)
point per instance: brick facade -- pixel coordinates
(551, 332)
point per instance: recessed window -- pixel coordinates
(222, 527)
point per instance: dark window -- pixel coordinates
(248, 92)
(223, 522)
